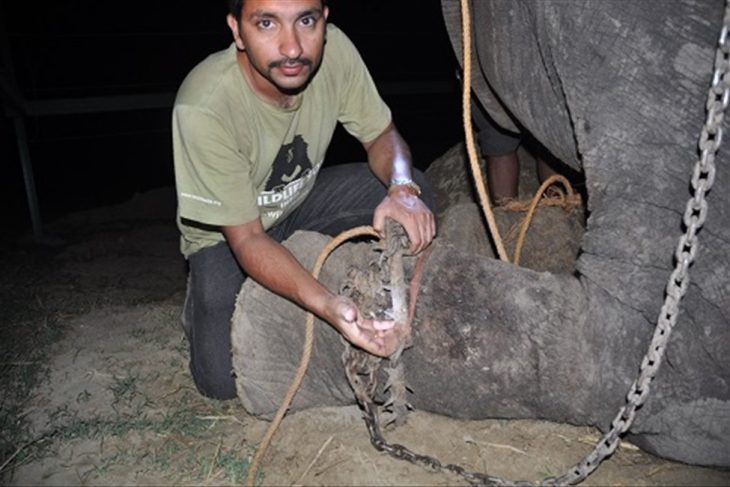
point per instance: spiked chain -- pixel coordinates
(363, 369)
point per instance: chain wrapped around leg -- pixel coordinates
(370, 289)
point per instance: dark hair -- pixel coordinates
(235, 7)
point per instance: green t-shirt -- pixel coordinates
(238, 157)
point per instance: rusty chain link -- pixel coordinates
(362, 369)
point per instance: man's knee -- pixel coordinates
(213, 376)
(214, 282)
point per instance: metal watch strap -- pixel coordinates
(405, 182)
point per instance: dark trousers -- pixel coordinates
(343, 197)
(493, 140)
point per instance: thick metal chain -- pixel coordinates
(362, 371)
(357, 366)
(694, 217)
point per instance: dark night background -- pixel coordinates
(73, 49)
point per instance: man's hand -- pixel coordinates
(380, 338)
(390, 160)
(407, 209)
(274, 267)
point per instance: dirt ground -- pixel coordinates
(114, 403)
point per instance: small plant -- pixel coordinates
(124, 388)
(232, 466)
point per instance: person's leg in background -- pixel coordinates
(499, 149)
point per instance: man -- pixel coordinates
(251, 126)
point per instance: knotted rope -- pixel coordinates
(476, 169)
(569, 201)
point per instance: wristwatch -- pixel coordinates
(407, 183)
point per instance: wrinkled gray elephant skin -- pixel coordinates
(618, 90)
(615, 89)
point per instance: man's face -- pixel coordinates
(283, 41)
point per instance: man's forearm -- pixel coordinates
(390, 160)
(272, 265)
(389, 156)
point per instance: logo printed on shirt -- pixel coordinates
(291, 162)
(292, 176)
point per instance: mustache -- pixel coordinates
(290, 62)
